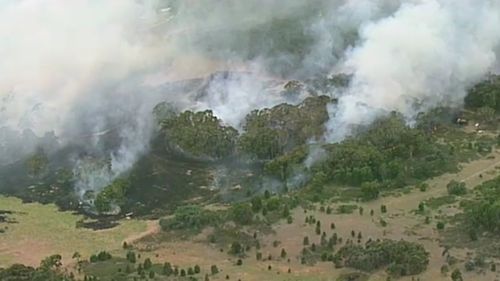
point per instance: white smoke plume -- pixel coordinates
(424, 55)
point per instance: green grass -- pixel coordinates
(346, 209)
(436, 202)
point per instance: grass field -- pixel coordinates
(402, 223)
(42, 230)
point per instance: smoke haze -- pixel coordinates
(81, 68)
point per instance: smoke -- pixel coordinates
(73, 71)
(424, 55)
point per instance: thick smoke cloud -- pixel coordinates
(424, 55)
(75, 70)
(62, 62)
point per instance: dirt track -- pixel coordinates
(153, 227)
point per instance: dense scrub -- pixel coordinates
(260, 209)
(113, 194)
(191, 217)
(389, 152)
(484, 211)
(200, 134)
(400, 257)
(274, 143)
(485, 94)
(49, 270)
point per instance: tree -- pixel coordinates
(256, 204)
(147, 263)
(267, 194)
(103, 256)
(131, 256)
(236, 248)
(305, 242)
(383, 209)
(197, 269)
(200, 134)
(283, 253)
(37, 163)
(167, 269)
(258, 256)
(140, 269)
(51, 262)
(115, 193)
(263, 139)
(421, 207)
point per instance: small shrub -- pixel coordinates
(440, 225)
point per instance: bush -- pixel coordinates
(101, 256)
(214, 270)
(440, 225)
(242, 213)
(383, 209)
(456, 188)
(423, 187)
(236, 248)
(131, 256)
(370, 190)
(456, 275)
(305, 242)
(190, 217)
(283, 253)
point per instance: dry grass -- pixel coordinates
(55, 232)
(403, 223)
(42, 230)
